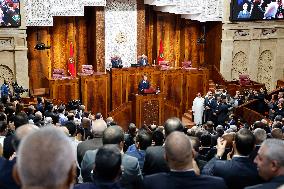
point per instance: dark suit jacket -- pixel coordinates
(131, 174)
(6, 179)
(98, 186)
(155, 161)
(182, 180)
(8, 148)
(273, 183)
(86, 145)
(212, 105)
(222, 113)
(237, 173)
(143, 85)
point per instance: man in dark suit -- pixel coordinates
(178, 154)
(154, 158)
(144, 84)
(240, 171)
(98, 127)
(270, 164)
(107, 169)
(221, 110)
(209, 104)
(131, 175)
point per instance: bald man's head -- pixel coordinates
(178, 151)
(46, 159)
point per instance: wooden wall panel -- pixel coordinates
(94, 91)
(78, 30)
(39, 61)
(64, 90)
(212, 54)
(179, 37)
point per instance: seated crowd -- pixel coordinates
(62, 147)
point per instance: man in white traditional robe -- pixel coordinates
(198, 108)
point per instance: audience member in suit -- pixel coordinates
(30, 112)
(205, 145)
(195, 151)
(138, 150)
(129, 137)
(19, 120)
(240, 171)
(209, 103)
(270, 164)
(107, 169)
(6, 166)
(221, 111)
(38, 119)
(52, 166)
(154, 158)
(131, 174)
(178, 154)
(277, 133)
(40, 105)
(98, 128)
(219, 133)
(144, 84)
(260, 136)
(49, 111)
(158, 137)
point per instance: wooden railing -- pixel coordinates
(248, 110)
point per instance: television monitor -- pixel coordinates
(10, 13)
(253, 10)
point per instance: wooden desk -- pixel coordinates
(64, 89)
(95, 93)
(148, 109)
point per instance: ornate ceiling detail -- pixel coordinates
(41, 12)
(201, 10)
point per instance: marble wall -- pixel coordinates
(253, 48)
(121, 31)
(13, 53)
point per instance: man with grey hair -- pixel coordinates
(6, 167)
(178, 154)
(270, 164)
(98, 127)
(46, 161)
(260, 136)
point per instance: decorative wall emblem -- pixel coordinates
(240, 63)
(120, 38)
(264, 74)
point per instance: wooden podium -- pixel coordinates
(148, 109)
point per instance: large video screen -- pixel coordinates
(10, 13)
(246, 10)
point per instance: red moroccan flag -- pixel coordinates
(161, 52)
(71, 62)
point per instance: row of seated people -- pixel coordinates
(151, 157)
